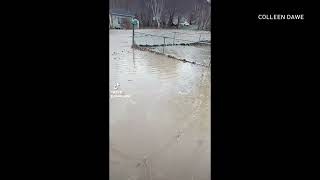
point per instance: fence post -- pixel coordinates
(132, 35)
(164, 43)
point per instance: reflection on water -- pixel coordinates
(133, 59)
(163, 130)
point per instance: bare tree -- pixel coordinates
(207, 14)
(179, 19)
(171, 6)
(145, 16)
(202, 14)
(191, 17)
(171, 13)
(165, 13)
(197, 13)
(157, 7)
(208, 18)
(164, 19)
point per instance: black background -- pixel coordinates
(261, 95)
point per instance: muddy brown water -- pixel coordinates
(160, 124)
(198, 54)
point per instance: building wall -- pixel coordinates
(121, 21)
(115, 21)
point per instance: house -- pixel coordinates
(120, 18)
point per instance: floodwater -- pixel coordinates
(160, 118)
(174, 36)
(199, 54)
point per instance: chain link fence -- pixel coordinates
(192, 47)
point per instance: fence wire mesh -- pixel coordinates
(192, 46)
(171, 38)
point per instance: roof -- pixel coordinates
(121, 12)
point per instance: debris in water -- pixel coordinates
(178, 136)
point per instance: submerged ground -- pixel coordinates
(160, 122)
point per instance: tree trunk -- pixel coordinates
(208, 15)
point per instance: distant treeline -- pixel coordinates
(168, 13)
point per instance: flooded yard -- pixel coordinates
(159, 114)
(155, 36)
(198, 54)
